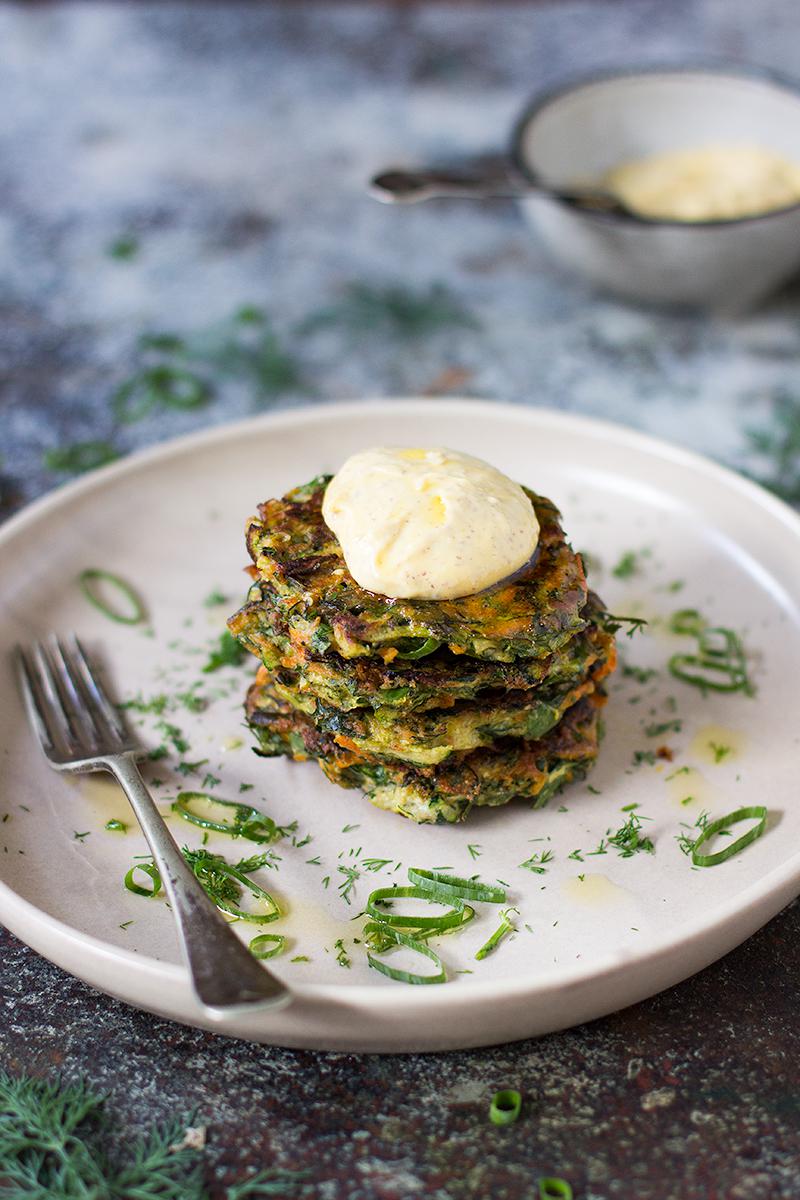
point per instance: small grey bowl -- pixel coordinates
(578, 133)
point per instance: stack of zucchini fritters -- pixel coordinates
(428, 706)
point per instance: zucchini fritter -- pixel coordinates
(513, 768)
(429, 737)
(530, 616)
(437, 681)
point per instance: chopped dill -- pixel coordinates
(537, 862)
(342, 957)
(628, 839)
(351, 875)
(226, 653)
(658, 728)
(628, 565)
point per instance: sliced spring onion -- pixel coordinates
(505, 1107)
(718, 666)
(248, 822)
(93, 575)
(554, 1189)
(505, 926)
(451, 887)
(410, 920)
(267, 945)
(687, 621)
(380, 943)
(402, 939)
(214, 873)
(755, 813)
(149, 869)
(116, 826)
(259, 918)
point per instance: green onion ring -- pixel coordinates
(402, 939)
(451, 887)
(258, 945)
(493, 942)
(505, 1107)
(91, 575)
(248, 823)
(687, 621)
(149, 869)
(554, 1189)
(380, 943)
(257, 892)
(443, 921)
(756, 813)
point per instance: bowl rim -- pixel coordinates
(736, 71)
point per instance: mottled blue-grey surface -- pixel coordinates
(163, 165)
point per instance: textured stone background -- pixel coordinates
(229, 144)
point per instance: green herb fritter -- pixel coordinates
(437, 680)
(429, 737)
(530, 616)
(513, 769)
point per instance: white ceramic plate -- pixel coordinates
(603, 932)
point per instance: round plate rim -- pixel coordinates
(774, 882)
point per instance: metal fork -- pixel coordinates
(80, 730)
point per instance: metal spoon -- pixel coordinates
(398, 186)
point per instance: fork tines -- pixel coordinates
(67, 705)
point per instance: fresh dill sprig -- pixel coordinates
(536, 862)
(351, 875)
(226, 653)
(628, 839)
(612, 623)
(342, 956)
(628, 565)
(50, 1146)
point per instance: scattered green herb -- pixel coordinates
(50, 1147)
(395, 309)
(227, 654)
(659, 728)
(123, 248)
(536, 862)
(162, 386)
(80, 457)
(612, 623)
(342, 956)
(628, 565)
(116, 826)
(628, 838)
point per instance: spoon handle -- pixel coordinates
(409, 187)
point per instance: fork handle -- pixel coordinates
(224, 973)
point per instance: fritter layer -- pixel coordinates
(514, 768)
(429, 737)
(436, 681)
(529, 616)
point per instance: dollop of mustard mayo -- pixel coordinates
(708, 183)
(428, 524)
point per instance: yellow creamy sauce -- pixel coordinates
(708, 183)
(428, 524)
